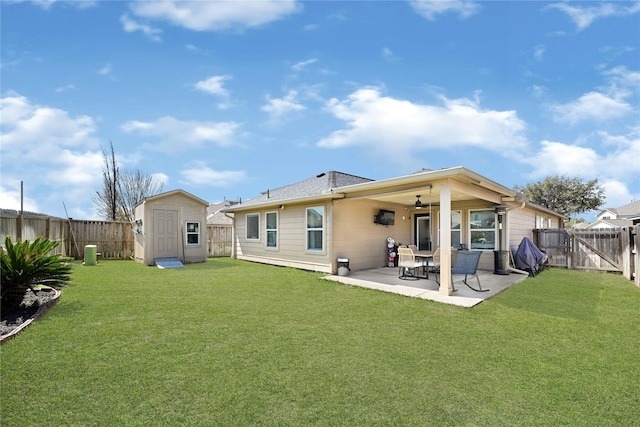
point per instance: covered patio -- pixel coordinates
(386, 279)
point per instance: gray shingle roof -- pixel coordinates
(316, 185)
(629, 210)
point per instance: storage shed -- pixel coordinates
(171, 225)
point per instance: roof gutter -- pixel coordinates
(279, 202)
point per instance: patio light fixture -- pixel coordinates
(418, 202)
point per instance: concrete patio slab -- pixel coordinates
(386, 279)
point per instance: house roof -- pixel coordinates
(609, 223)
(464, 185)
(172, 193)
(317, 186)
(626, 211)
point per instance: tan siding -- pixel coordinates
(357, 237)
(291, 250)
(188, 210)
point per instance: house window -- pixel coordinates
(253, 226)
(272, 229)
(456, 228)
(315, 229)
(482, 226)
(193, 233)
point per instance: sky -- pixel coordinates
(226, 100)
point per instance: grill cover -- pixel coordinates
(528, 256)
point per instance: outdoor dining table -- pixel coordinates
(424, 256)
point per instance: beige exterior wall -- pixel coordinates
(291, 242)
(355, 236)
(358, 238)
(189, 210)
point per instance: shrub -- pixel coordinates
(27, 264)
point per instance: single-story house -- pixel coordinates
(623, 216)
(171, 225)
(312, 223)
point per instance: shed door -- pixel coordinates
(165, 232)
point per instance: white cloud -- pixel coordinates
(300, 65)
(213, 85)
(380, 122)
(131, 26)
(172, 133)
(538, 52)
(65, 88)
(585, 16)
(590, 106)
(616, 169)
(216, 16)
(24, 124)
(204, 175)
(46, 4)
(430, 9)
(10, 197)
(50, 150)
(107, 71)
(388, 55)
(277, 108)
(556, 158)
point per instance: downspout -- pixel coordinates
(233, 234)
(523, 203)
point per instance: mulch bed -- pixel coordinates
(34, 304)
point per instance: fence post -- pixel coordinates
(635, 248)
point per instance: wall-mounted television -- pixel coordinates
(385, 217)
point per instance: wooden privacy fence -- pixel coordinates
(114, 239)
(607, 250)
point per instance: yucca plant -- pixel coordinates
(28, 264)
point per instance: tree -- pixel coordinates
(565, 195)
(122, 190)
(134, 186)
(106, 199)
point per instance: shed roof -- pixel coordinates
(173, 193)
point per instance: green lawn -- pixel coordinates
(233, 343)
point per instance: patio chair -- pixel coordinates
(467, 264)
(408, 265)
(434, 264)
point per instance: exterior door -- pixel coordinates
(165, 233)
(423, 232)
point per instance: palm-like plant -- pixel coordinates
(27, 264)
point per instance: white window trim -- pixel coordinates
(494, 229)
(322, 229)
(459, 231)
(247, 227)
(187, 233)
(267, 230)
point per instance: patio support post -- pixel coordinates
(445, 240)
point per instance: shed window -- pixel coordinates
(315, 229)
(193, 233)
(253, 226)
(483, 229)
(272, 229)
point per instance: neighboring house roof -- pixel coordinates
(13, 212)
(627, 211)
(318, 185)
(622, 216)
(214, 216)
(609, 223)
(174, 192)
